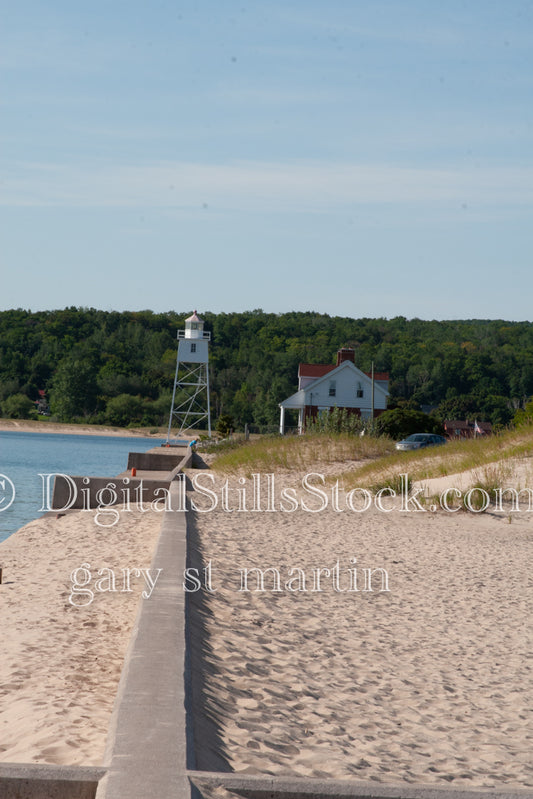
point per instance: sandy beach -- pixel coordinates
(427, 682)
(423, 679)
(61, 662)
(29, 426)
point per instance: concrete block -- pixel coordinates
(36, 781)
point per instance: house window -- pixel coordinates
(193, 347)
(359, 392)
(332, 388)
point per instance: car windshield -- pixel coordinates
(417, 437)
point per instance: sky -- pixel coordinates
(360, 158)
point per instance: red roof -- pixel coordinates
(378, 375)
(315, 369)
(320, 369)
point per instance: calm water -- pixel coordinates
(23, 456)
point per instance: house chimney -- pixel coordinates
(345, 354)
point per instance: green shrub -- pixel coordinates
(19, 406)
(225, 425)
(124, 410)
(401, 422)
(524, 417)
(339, 420)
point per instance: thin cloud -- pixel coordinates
(262, 187)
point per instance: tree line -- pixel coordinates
(111, 367)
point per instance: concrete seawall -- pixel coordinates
(33, 781)
(147, 743)
(153, 472)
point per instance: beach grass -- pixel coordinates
(297, 453)
(453, 458)
(381, 462)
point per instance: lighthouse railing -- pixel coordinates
(205, 335)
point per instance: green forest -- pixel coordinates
(110, 367)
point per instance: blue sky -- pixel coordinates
(348, 157)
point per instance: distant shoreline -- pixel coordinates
(29, 426)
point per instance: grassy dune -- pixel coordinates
(371, 462)
(453, 458)
(299, 453)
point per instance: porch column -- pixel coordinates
(281, 420)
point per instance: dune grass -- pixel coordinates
(382, 462)
(454, 457)
(299, 453)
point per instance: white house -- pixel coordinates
(323, 387)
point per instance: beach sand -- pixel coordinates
(30, 426)
(60, 664)
(426, 683)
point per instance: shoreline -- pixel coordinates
(30, 426)
(57, 428)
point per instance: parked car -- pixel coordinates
(420, 440)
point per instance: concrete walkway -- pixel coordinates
(147, 744)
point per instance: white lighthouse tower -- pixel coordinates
(190, 397)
